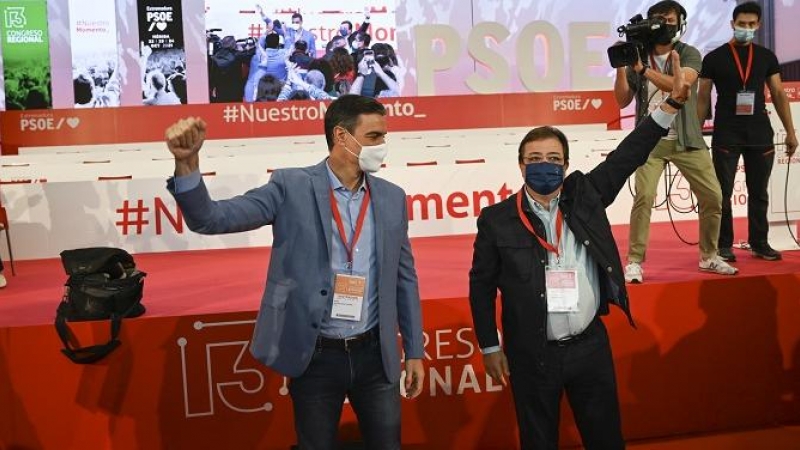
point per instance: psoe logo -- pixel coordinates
(15, 17)
(159, 18)
(576, 103)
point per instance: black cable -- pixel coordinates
(785, 189)
(786, 202)
(696, 207)
(671, 205)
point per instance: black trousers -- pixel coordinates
(757, 168)
(585, 371)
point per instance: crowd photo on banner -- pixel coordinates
(284, 60)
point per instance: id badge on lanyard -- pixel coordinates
(745, 99)
(745, 103)
(562, 289)
(561, 283)
(349, 288)
(348, 296)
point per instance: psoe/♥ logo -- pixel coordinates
(159, 19)
(15, 17)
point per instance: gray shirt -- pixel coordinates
(687, 126)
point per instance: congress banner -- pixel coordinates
(162, 52)
(95, 63)
(26, 54)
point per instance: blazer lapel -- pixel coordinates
(322, 195)
(378, 215)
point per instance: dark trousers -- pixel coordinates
(585, 371)
(757, 169)
(318, 396)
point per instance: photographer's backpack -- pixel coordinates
(103, 284)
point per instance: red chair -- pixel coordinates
(4, 223)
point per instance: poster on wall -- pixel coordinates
(26, 54)
(162, 53)
(95, 63)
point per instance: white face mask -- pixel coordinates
(371, 157)
(296, 26)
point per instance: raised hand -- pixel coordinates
(145, 50)
(185, 138)
(680, 87)
(363, 67)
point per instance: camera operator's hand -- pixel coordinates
(638, 66)
(680, 87)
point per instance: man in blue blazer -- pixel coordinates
(341, 278)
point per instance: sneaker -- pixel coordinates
(715, 264)
(765, 252)
(726, 253)
(634, 273)
(3, 281)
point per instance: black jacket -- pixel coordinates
(225, 75)
(509, 258)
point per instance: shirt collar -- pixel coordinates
(537, 207)
(334, 181)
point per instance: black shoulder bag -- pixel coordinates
(103, 284)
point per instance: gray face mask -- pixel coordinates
(744, 35)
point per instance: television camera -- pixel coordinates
(640, 34)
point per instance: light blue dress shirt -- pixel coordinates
(365, 259)
(573, 255)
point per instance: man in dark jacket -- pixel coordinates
(225, 72)
(550, 252)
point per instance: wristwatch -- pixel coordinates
(674, 103)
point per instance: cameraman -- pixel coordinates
(650, 82)
(225, 74)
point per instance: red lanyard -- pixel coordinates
(559, 225)
(745, 75)
(362, 214)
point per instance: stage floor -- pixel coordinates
(220, 281)
(182, 377)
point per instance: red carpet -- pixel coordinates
(215, 281)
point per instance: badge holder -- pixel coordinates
(348, 296)
(745, 103)
(561, 283)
